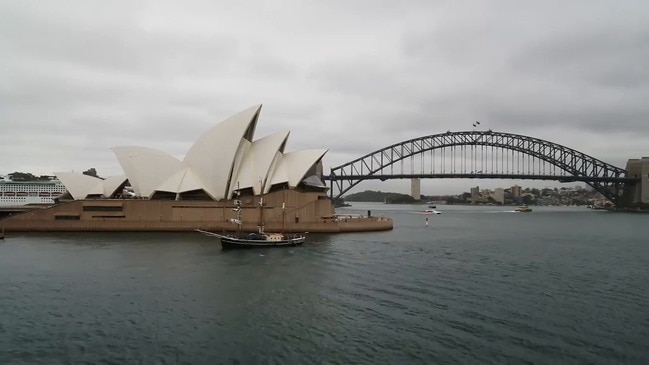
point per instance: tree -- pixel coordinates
(91, 172)
(528, 199)
(454, 200)
(22, 176)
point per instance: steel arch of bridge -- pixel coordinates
(603, 177)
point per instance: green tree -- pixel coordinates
(91, 172)
(528, 199)
(22, 176)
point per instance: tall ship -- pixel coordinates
(16, 193)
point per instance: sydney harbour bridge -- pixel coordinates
(485, 155)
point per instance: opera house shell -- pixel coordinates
(223, 159)
(159, 192)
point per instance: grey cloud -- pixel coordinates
(80, 77)
(120, 44)
(600, 57)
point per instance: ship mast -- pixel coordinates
(261, 208)
(237, 209)
(261, 214)
(283, 216)
(283, 209)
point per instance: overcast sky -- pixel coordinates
(80, 77)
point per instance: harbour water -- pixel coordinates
(477, 285)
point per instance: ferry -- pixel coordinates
(16, 193)
(523, 209)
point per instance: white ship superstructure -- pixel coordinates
(14, 193)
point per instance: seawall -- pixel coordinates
(282, 211)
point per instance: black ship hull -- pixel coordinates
(256, 240)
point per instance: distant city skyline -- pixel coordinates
(461, 186)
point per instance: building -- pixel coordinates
(277, 189)
(475, 192)
(224, 159)
(499, 195)
(415, 188)
(517, 192)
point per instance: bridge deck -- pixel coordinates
(561, 178)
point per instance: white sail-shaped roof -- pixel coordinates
(280, 173)
(146, 168)
(258, 161)
(224, 158)
(111, 184)
(244, 147)
(182, 181)
(216, 153)
(81, 186)
(294, 165)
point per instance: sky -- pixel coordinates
(78, 77)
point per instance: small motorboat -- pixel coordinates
(523, 209)
(431, 211)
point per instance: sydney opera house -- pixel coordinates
(159, 192)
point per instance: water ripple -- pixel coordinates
(462, 291)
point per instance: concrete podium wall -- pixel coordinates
(303, 211)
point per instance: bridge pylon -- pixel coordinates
(637, 193)
(415, 188)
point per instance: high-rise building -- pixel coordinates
(475, 192)
(499, 195)
(415, 188)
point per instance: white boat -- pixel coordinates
(431, 211)
(15, 193)
(523, 209)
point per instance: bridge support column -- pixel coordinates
(415, 188)
(637, 194)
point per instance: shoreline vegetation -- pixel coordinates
(563, 196)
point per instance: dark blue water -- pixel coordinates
(478, 285)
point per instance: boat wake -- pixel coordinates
(430, 212)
